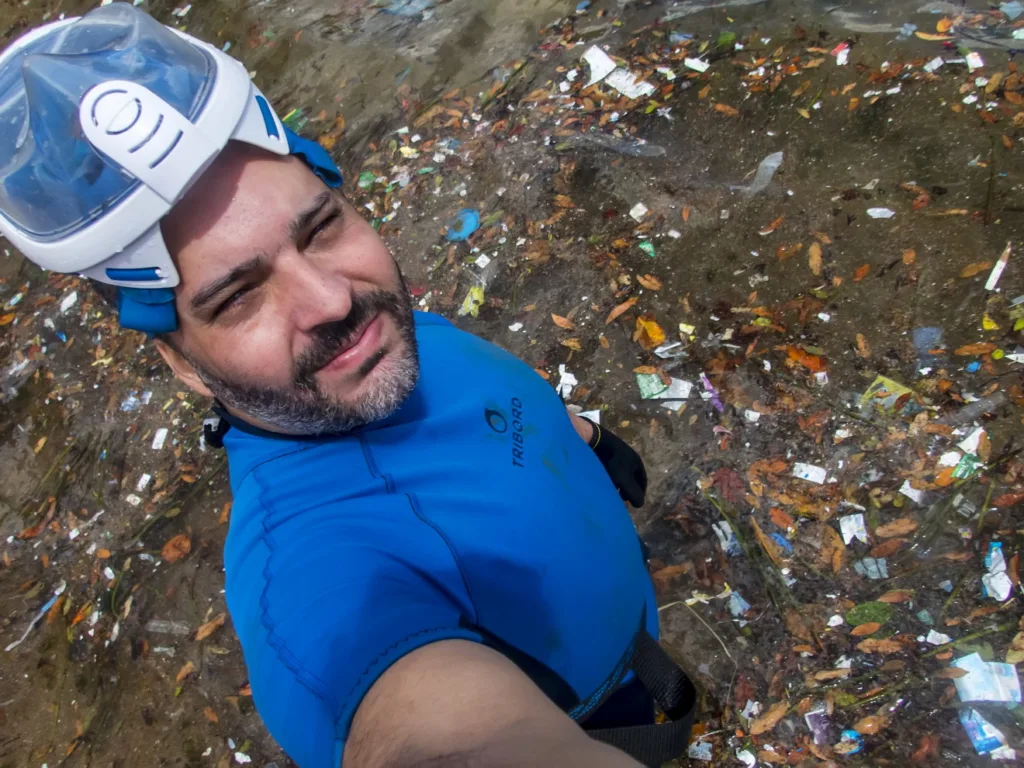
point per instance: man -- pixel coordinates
(420, 573)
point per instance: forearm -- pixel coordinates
(583, 427)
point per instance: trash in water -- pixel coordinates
(629, 85)
(850, 743)
(881, 213)
(872, 568)
(165, 627)
(38, 617)
(701, 750)
(465, 223)
(934, 64)
(737, 605)
(997, 270)
(811, 472)
(746, 757)
(911, 492)
(648, 247)
(765, 173)
(159, 438)
(627, 146)
(653, 388)
(710, 393)
(970, 443)
(671, 350)
(937, 638)
(819, 724)
(638, 211)
(698, 65)
(974, 61)
(727, 538)
(930, 347)
(986, 738)
(409, 7)
(1012, 9)
(885, 393)
(473, 301)
(566, 383)
(852, 527)
(987, 680)
(996, 583)
(601, 64)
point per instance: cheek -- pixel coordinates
(257, 354)
(365, 258)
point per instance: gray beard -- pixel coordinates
(305, 409)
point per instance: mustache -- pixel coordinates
(329, 339)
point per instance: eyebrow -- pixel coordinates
(304, 218)
(206, 295)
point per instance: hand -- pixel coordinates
(623, 464)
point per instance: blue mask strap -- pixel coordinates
(152, 309)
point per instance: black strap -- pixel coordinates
(670, 687)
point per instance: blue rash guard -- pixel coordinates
(474, 512)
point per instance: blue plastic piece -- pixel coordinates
(974, 367)
(316, 157)
(851, 735)
(466, 222)
(782, 541)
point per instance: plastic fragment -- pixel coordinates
(810, 472)
(601, 64)
(987, 680)
(852, 527)
(764, 175)
(881, 213)
(465, 223)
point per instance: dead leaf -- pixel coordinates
(879, 645)
(726, 110)
(564, 201)
(796, 625)
(769, 719)
(103, 554)
(787, 251)
(814, 259)
(932, 38)
(185, 671)
(703, 92)
(620, 310)
(39, 444)
(900, 527)
(833, 551)
(573, 344)
(210, 714)
(887, 548)
(211, 626)
(563, 322)
(897, 596)
(648, 333)
(869, 724)
(7, 319)
(1008, 499)
(927, 749)
(863, 348)
(648, 369)
(861, 273)
(650, 282)
(981, 348)
(225, 513)
(603, 341)
(664, 576)
(811, 362)
(976, 268)
(951, 673)
(781, 519)
(765, 231)
(831, 674)
(176, 548)
(770, 546)
(772, 757)
(686, 214)
(943, 25)
(909, 256)
(863, 630)
(803, 113)
(1015, 653)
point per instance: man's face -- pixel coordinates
(292, 311)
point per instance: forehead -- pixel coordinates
(240, 207)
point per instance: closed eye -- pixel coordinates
(232, 300)
(324, 225)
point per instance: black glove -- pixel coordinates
(623, 464)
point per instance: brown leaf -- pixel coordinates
(664, 576)
(887, 548)
(861, 273)
(103, 554)
(863, 348)
(176, 548)
(863, 630)
(210, 714)
(879, 645)
(564, 201)
(1007, 141)
(703, 93)
(787, 251)
(603, 341)
(650, 282)
(563, 322)
(927, 749)
(897, 596)
(943, 25)
(770, 546)
(981, 348)
(831, 674)
(686, 213)
(909, 256)
(814, 258)
(811, 362)
(951, 673)
(1008, 499)
(976, 268)
(573, 344)
(729, 482)
(833, 551)
(620, 310)
(7, 319)
(796, 625)
(782, 519)
(225, 513)
(769, 719)
(869, 724)
(900, 527)
(765, 231)
(185, 671)
(211, 626)
(726, 110)
(772, 757)
(648, 333)
(646, 369)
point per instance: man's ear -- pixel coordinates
(182, 368)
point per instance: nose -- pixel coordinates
(312, 294)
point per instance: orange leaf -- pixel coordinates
(772, 227)
(211, 626)
(900, 527)
(686, 213)
(573, 344)
(806, 359)
(564, 201)
(103, 554)
(648, 369)
(563, 322)
(909, 256)
(1008, 499)
(603, 341)
(782, 519)
(897, 596)
(225, 513)
(620, 310)
(862, 630)
(185, 671)
(650, 282)
(176, 548)
(887, 548)
(981, 348)
(943, 25)
(814, 258)
(769, 719)
(976, 268)
(648, 333)
(870, 724)
(784, 251)
(932, 38)
(726, 110)
(863, 348)
(861, 273)
(881, 645)
(7, 319)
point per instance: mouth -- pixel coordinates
(364, 344)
